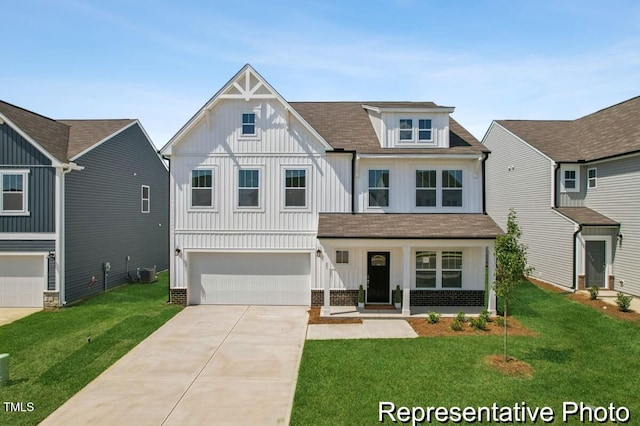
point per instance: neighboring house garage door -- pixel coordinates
(249, 278)
(22, 281)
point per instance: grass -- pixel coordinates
(579, 355)
(50, 357)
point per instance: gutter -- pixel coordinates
(485, 157)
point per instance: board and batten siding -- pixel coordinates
(617, 196)
(281, 142)
(439, 123)
(104, 222)
(18, 153)
(520, 177)
(402, 184)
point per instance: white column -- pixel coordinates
(326, 279)
(406, 279)
(492, 270)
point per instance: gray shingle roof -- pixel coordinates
(63, 139)
(51, 135)
(407, 226)
(346, 125)
(586, 216)
(609, 132)
(86, 133)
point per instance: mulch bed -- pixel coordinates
(513, 367)
(598, 304)
(423, 328)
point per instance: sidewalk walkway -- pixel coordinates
(369, 329)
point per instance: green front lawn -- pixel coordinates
(51, 359)
(579, 355)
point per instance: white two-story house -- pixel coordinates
(298, 203)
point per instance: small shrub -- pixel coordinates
(397, 296)
(593, 292)
(461, 317)
(361, 294)
(434, 317)
(486, 315)
(456, 325)
(479, 323)
(500, 321)
(623, 302)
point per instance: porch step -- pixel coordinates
(380, 307)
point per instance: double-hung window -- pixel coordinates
(424, 130)
(570, 179)
(248, 188)
(592, 178)
(378, 188)
(342, 257)
(452, 188)
(14, 192)
(406, 130)
(202, 188)
(425, 269)
(145, 199)
(249, 124)
(295, 188)
(451, 269)
(425, 188)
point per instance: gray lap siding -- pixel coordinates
(104, 222)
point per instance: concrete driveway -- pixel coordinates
(207, 365)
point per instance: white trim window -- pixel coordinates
(14, 185)
(405, 130)
(249, 188)
(295, 188)
(452, 188)
(342, 257)
(379, 188)
(570, 181)
(249, 124)
(451, 269)
(426, 188)
(202, 188)
(425, 130)
(145, 199)
(592, 178)
(426, 269)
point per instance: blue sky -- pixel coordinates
(160, 61)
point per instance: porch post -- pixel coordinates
(491, 305)
(406, 279)
(326, 279)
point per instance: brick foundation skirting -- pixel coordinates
(338, 297)
(447, 298)
(178, 296)
(50, 300)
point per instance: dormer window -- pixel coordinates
(406, 130)
(415, 130)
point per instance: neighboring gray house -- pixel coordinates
(575, 186)
(76, 194)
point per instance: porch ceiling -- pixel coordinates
(407, 226)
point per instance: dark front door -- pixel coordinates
(596, 264)
(378, 277)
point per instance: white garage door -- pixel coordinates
(249, 278)
(22, 281)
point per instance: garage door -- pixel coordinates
(22, 281)
(249, 278)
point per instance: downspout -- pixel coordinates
(575, 269)
(485, 157)
(554, 184)
(353, 182)
(171, 248)
(60, 227)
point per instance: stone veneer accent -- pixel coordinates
(51, 300)
(447, 298)
(178, 296)
(338, 297)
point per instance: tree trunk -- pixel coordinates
(505, 330)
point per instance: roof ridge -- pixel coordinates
(31, 112)
(609, 107)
